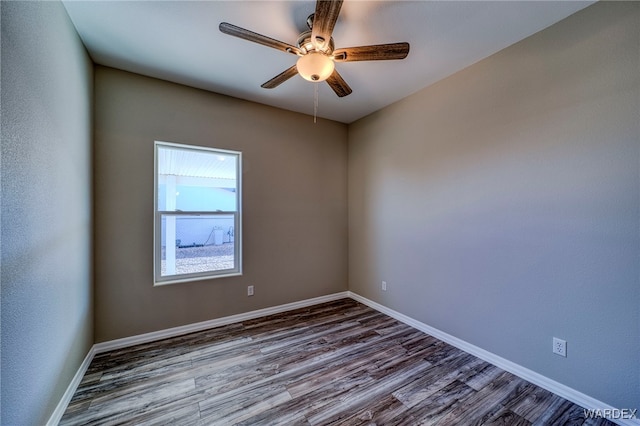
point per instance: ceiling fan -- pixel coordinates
(316, 50)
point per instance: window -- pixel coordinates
(197, 221)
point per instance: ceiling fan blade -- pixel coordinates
(280, 78)
(245, 34)
(377, 52)
(338, 84)
(324, 19)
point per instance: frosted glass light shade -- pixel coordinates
(315, 66)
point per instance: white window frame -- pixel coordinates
(158, 279)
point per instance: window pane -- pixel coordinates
(193, 244)
(191, 180)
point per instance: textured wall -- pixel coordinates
(294, 203)
(47, 317)
(502, 206)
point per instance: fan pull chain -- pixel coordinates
(315, 102)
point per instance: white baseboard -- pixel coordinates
(531, 376)
(522, 372)
(205, 325)
(71, 389)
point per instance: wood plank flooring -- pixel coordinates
(338, 363)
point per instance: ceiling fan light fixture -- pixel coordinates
(315, 66)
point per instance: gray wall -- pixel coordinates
(294, 203)
(47, 313)
(502, 204)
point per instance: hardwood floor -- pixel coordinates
(338, 363)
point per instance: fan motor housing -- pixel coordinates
(306, 45)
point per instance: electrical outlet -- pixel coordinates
(384, 286)
(250, 290)
(559, 347)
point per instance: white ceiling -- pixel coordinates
(179, 41)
